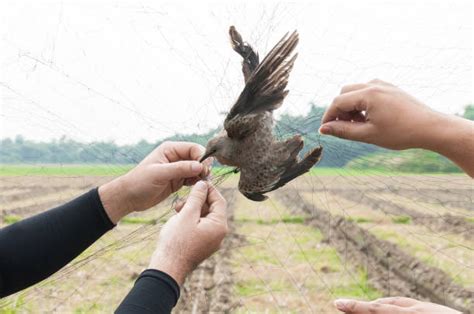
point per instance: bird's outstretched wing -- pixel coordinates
(264, 89)
(250, 57)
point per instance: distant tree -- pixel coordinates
(469, 112)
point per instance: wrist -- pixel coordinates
(170, 266)
(442, 134)
(433, 132)
(113, 196)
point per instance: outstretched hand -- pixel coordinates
(379, 113)
(164, 171)
(382, 114)
(193, 234)
(393, 305)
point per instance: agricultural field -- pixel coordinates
(323, 236)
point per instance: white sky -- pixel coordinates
(125, 71)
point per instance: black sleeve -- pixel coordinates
(154, 292)
(36, 247)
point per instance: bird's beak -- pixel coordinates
(205, 156)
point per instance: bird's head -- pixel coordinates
(215, 147)
(221, 147)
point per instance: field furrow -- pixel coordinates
(389, 268)
(209, 288)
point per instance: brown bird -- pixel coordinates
(247, 141)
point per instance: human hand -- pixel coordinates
(382, 114)
(161, 173)
(193, 234)
(391, 305)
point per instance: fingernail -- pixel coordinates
(342, 304)
(325, 129)
(196, 166)
(201, 185)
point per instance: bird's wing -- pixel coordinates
(250, 57)
(283, 166)
(265, 87)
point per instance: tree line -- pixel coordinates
(337, 152)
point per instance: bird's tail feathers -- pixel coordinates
(300, 167)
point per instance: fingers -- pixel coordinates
(353, 101)
(353, 87)
(175, 151)
(357, 131)
(180, 204)
(177, 170)
(215, 223)
(362, 307)
(197, 198)
(217, 205)
(399, 301)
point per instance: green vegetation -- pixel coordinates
(138, 220)
(413, 161)
(284, 219)
(252, 287)
(401, 220)
(62, 170)
(469, 112)
(67, 151)
(257, 254)
(359, 220)
(358, 289)
(90, 308)
(321, 256)
(15, 305)
(362, 157)
(10, 219)
(470, 219)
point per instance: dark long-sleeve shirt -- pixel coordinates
(35, 248)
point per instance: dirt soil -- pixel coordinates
(390, 269)
(441, 223)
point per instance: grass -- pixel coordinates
(138, 220)
(402, 220)
(450, 265)
(10, 219)
(357, 289)
(284, 219)
(359, 220)
(252, 287)
(92, 308)
(324, 256)
(15, 305)
(63, 170)
(115, 170)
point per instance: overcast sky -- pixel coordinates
(125, 71)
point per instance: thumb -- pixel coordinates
(358, 131)
(179, 170)
(196, 200)
(362, 307)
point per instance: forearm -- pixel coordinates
(452, 137)
(36, 247)
(153, 292)
(114, 197)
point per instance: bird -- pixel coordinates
(247, 141)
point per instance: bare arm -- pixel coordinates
(453, 138)
(382, 114)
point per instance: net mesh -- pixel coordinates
(125, 72)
